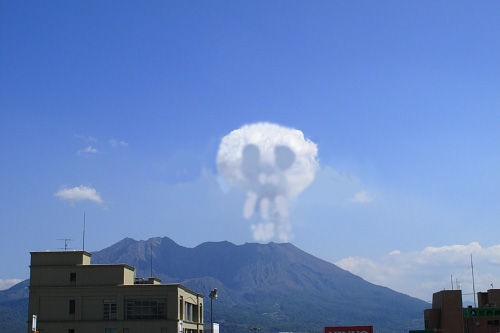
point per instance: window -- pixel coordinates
(72, 277)
(110, 330)
(71, 330)
(181, 308)
(188, 311)
(146, 308)
(109, 309)
(71, 306)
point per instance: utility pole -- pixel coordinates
(473, 283)
(151, 260)
(83, 240)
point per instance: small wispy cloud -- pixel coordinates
(7, 283)
(79, 193)
(362, 197)
(88, 150)
(91, 142)
(117, 143)
(86, 138)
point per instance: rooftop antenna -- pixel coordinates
(451, 278)
(83, 240)
(473, 283)
(151, 260)
(66, 240)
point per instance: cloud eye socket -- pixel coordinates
(250, 159)
(284, 157)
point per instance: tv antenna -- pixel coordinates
(66, 241)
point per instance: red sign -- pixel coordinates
(349, 329)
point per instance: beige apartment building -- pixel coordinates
(68, 294)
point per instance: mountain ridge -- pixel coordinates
(274, 278)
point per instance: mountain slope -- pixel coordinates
(272, 286)
(14, 308)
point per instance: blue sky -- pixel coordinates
(131, 99)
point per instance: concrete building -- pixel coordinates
(448, 315)
(68, 294)
(446, 312)
(486, 317)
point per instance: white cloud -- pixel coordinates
(7, 283)
(86, 138)
(421, 273)
(117, 143)
(79, 193)
(362, 197)
(88, 150)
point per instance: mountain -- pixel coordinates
(14, 308)
(274, 287)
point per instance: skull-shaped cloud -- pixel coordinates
(271, 163)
